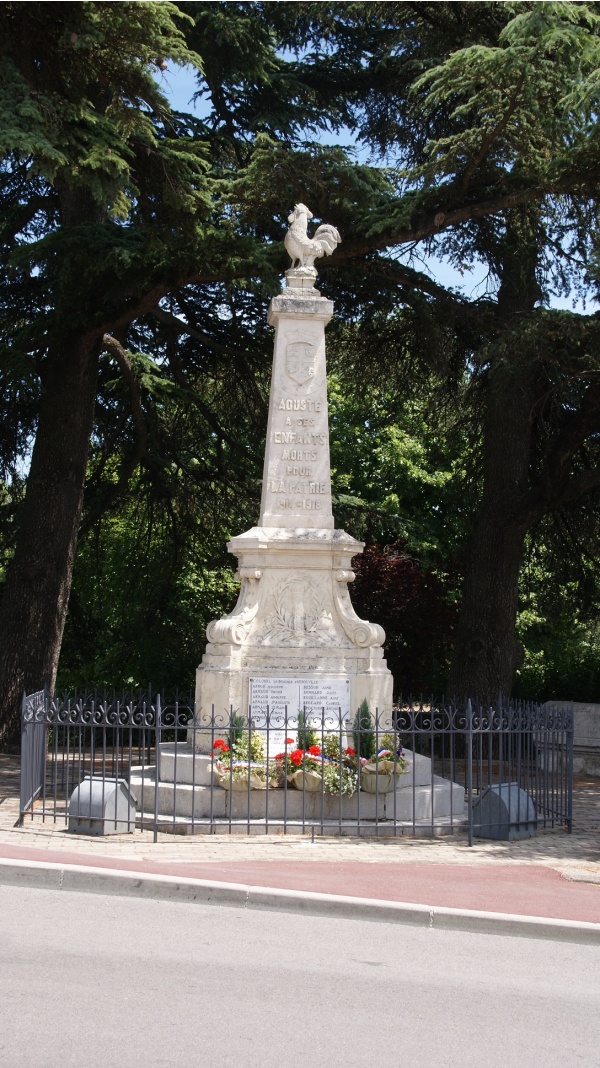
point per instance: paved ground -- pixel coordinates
(553, 875)
(108, 982)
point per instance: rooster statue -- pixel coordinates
(303, 249)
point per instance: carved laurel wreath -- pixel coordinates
(299, 614)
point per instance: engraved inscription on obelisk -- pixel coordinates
(296, 478)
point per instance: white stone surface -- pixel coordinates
(179, 763)
(294, 617)
(179, 799)
(418, 795)
(400, 806)
(296, 474)
(304, 250)
(419, 771)
(586, 735)
(427, 802)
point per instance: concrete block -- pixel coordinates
(443, 799)
(418, 773)
(504, 812)
(179, 763)
(586, 736)
(411, 803)
(101, 806)
(292, 804)
(179, 799)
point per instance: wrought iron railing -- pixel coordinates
(422, 768)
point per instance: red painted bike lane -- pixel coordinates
(519, 889)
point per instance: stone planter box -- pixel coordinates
(310, 781)
(239, 786)
(238, 783)
(381, 783)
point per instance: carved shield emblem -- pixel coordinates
(300, 360)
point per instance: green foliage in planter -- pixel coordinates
(236, 733)
(331, 746)
(306, 736)
(339, 779)
(363, 733)
(249, 746)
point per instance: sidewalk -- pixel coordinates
(554, 875)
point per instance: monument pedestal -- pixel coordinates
(293, 619)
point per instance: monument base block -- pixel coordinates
(189, 802)
(293, 620)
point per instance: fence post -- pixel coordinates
(470, 768)
(25, 761)
(32, 774)
(570, 733)
(157, 735)
(43, 747)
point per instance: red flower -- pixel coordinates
(350, 751)
(280, 756)
(289, 741)
(296, 757)
(314, 750)
(220, 744)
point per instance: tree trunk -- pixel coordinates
(36, 593)
(486, 653)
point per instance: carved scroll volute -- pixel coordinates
(233, 629)
(358, 630)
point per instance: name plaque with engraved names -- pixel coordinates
(324, 701)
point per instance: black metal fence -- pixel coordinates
(103, 763)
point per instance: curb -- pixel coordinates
(74, 877)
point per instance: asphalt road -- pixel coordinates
(100, 982)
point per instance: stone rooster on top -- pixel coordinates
(304, 250)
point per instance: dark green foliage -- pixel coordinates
(416, 611)
(363, 734)
(306, 736)
(236, 729)
(165, 231)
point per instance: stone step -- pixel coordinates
(328, 828)
(441, 799)
(178, 763)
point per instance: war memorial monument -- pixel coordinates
(294, 638)
(293, 643)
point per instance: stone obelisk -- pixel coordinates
(293, 637)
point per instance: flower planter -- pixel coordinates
(239, 783)
(373, 783)
(385, 767)
(311, 781)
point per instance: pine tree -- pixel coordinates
(118, 214)
(363, 734)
